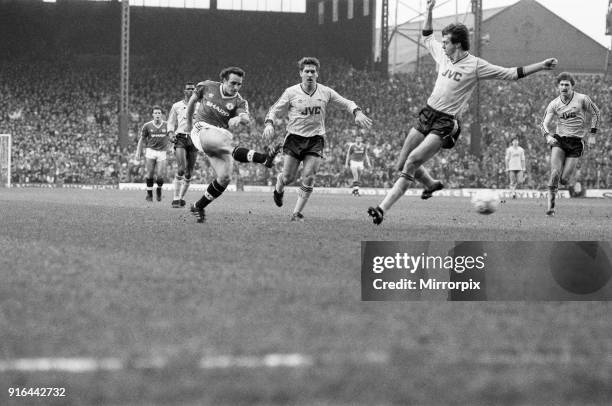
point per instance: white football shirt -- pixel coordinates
(307, 111)
(456, 80)
(515, 158)
(177, 119)
(571, 116)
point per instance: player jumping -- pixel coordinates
(437, 125)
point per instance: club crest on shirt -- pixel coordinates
(210, 95)
(230, 106)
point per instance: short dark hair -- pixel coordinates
(156, 107)
(225, 73)
(459, 33)
(566, 76)
(309, 60)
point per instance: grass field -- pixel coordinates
(193, 312)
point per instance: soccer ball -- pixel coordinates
(485, 201)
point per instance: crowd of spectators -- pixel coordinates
(63, 121)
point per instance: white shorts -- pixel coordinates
(356, 165)
(155, 154)
(208, 138)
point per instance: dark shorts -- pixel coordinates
(298, 146)
(572, 146)
(444, 125)
(184, 141)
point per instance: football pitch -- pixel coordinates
(123, 302)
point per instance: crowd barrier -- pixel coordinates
(465, 192)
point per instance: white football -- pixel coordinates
(485, 201)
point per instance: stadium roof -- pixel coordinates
(520, 32)
(285, 6)
(407, 56)
(441, 22)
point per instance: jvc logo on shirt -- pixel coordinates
(568, 114)
(311, 110)
(451, 74)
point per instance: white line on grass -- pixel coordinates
(83, 365)
(61, 364)
(79, 365)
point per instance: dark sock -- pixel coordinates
(150, 183)
(241, 154)
(214, 190)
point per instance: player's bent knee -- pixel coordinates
(224, 180)
(287, 179)
(414, 162)
(308, 181)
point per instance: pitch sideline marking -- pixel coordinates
(295, 360)
(80, 365)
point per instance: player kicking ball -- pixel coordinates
(220, 107)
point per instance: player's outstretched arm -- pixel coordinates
(547, 64)
(281, 104)
(429, 20)
(268, 131)
(362, 120)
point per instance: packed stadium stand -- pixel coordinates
(61, 109)
(62, 115)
